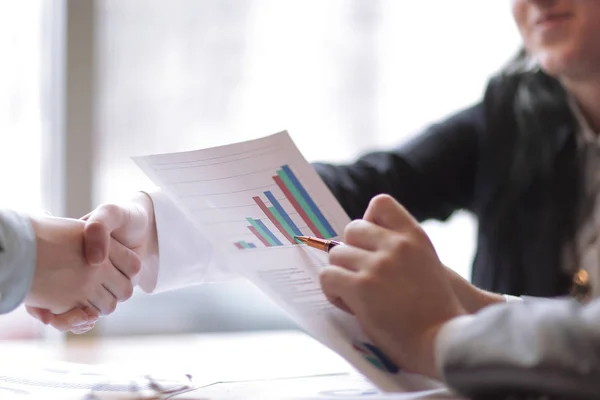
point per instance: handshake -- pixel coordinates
(85, 267)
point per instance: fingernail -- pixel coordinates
(83, 329)
(96, 256)
(79, 321)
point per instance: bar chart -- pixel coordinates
(273, 211)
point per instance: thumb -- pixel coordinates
(100, 223)
(39, 313)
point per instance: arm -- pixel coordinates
(181, 256)
(432, 175)
(547, 346)
(42, 264)
(17, 259)
(150, 230)
(172, 251)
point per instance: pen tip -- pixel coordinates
(303, 239)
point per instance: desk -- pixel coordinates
(207, 357)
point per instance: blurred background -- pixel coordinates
(86, 84)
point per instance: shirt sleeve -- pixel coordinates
(17, 259)
(549, 346)
(186, 256)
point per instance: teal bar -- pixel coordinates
(260, 230)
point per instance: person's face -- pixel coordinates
(562, 35)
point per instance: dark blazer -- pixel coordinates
(465, 162)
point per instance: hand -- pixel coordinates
(63, 279)
(77, 320)
(111, 229)
(130, 225)
(389, 276)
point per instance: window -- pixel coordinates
(22, 123)
(355, 74)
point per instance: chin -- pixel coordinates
(559, 64)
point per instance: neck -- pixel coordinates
(587, 94)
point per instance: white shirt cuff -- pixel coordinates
(512, 299)
(186, 256)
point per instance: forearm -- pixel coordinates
(17, 259)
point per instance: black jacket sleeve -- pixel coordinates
(431, 175)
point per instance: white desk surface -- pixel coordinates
(222, 357)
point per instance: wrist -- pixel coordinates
(428, 362)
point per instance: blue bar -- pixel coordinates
(251, 245)
(286, 169)
(281, 211)
(271, 236)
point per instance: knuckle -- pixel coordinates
(366, 282)
(109, 208)
(354, 231)
(383, 263)
(112, 306)
(381, 201)
(324, 278)
(135, 263)
(400, 245)
(128, 292)
(336, 255)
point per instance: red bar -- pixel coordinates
(272, 218)
(259, 236)
(297, 206)
(239, 246)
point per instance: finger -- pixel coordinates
(83, 329)
(92, 314)
(124, 259)
(336, 282)
(103, 300)
(99, 225)
(39, 313)
(384, 211)
(339, 303)
(116, 283)
(70, 320)
(349, 257)
(365, 235)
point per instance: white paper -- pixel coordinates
(323, 387)
(221, 188)
(64, 381)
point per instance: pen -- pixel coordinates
(317, 243)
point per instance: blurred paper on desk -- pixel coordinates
(347, 386)
(67, 381)
(250, 199)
